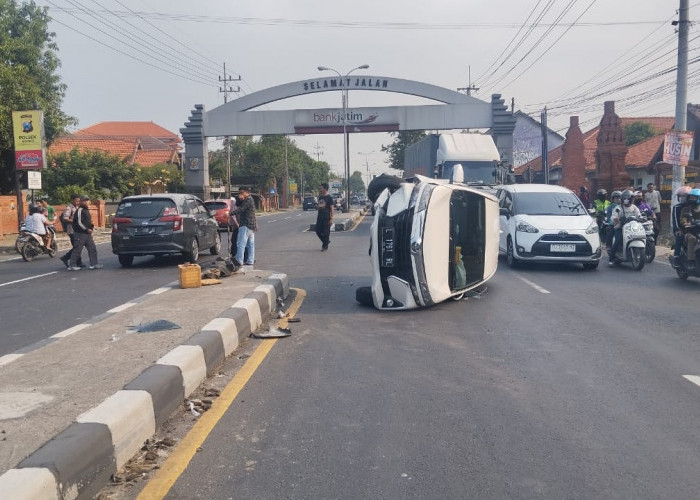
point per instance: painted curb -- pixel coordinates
(79, 461)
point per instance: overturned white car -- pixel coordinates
(431, 239)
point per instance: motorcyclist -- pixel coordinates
(619, 216)
(601, 202)
(681, 197)
(615, 201)
(643, 206)
(690, 220)
(37, 223)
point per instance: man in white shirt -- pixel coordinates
(653, 199)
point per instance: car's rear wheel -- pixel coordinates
(363, 295)
(217, 246)
(126, 260)
(511, 259)
(591, 265)
(193, 254)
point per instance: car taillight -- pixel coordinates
(175, 219)
(119, 220)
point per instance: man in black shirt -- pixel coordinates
(245, 244)
(324, 219)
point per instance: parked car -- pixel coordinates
(430, 240)
(163, 224)
(310, 203)
(222, 209)
(543, 223)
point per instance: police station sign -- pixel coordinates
(677, 147)
(28, 129)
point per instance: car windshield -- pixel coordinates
(309, 200)
(548, 204)
(146, 209)
(216, 205)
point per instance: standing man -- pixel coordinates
(50, 212)
(82, 232)
(245, 244)
(67, 223)
(583, 196)
(324, 218)
(653, 199)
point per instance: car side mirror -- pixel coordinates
(504, 212)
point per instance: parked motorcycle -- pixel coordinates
(34, 246)
(633, 245)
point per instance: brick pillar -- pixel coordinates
(611, 152)
(573, 159)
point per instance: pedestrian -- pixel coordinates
(583, 196)
(247, 225)
(653, 199)
(49, 211)
(233, 226)
(67, 223)
(82, 231)
(324, 217)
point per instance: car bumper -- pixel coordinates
(575, 247)
(148, 245)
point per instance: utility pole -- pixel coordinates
(226, 89)
(285, 187)
(470, 86)
(545, 159)
(681, 90)
(318, 151)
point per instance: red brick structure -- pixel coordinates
(611, 152)
(573, 160)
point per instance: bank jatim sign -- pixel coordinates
(28, 131)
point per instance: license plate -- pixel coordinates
(562, 248)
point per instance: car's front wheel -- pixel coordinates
(217, 246)
(363, 295)
(126, 260)
(511, 259)
(591, 265)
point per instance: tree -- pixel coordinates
(28, 79)
(402, 140)
(357, 185)
(637, 132)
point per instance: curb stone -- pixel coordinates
(79, 461)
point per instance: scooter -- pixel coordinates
(34, 246)
(633, 244)
(21, 237)
(650, 249)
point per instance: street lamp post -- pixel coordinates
(369, 177)
(346, 145)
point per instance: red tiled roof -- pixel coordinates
(150, 158)
(119, 147)
(130, 129)
(640, 154)
(590, 145)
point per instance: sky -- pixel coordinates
(138, 60)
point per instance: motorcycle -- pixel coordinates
(21, 238)
(34, 246)
(633, 245)
(650, 249)
(683, 265)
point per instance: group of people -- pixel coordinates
(76, 222)
(686, 224)
(624, 205)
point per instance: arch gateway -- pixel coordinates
(238, 117)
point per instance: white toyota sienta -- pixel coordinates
(545, 223)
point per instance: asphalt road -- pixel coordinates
(556, 383)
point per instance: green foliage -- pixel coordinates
(637, 132)
(28, 65)
(357, 185)
(147, 179)
(402, 140)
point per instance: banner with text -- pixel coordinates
(677, 147)
(28, 131)
(330, 121)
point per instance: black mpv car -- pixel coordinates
(163, 224)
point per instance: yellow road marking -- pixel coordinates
(178, 461)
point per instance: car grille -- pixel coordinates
(542, 246)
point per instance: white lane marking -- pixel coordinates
(27, 279)
(692, 378)
(158, 291)
(287, 218)
(9, 358)
(272, 220)
(70, 331)
(533, 285)
(121, 307)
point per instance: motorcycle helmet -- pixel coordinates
(616, 194)
(35, 209)
(602, 193)
(695, 192)
(682, 193)
(627, 196)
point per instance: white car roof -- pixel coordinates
(536, 188)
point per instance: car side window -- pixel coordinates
(203, 210)
(508, 202)
(192, 206)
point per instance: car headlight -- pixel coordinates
(593, 228)
(524, 227)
